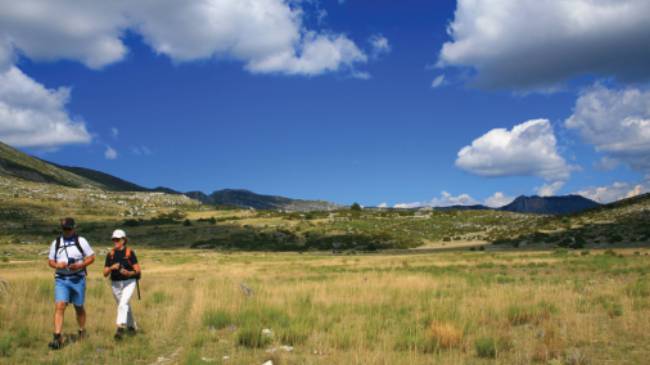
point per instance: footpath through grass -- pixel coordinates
(205, 307)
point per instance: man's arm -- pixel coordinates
(51, 262)
(82, 264)
(56, 265)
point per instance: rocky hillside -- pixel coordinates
(14, 163)
(625, 222)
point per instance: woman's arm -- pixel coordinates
(137, 269)
(108, 269)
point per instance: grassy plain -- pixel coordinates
(479, 307)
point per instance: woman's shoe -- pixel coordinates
(119, 334)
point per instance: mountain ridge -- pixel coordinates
(555, 205)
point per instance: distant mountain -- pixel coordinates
(248, 199)
(14, 163)
(109, 182)
(568, 204)
(463, 207)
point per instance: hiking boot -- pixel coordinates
(119, 334)
(81, 334)
(57, 342)
(131, 331)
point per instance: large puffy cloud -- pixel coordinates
(87, 31)
(550, 189)
(616, 191)
(497, 200)
(616, 122)
(529, 149)
(445, 200)
(34, 116)
(536, 44)
(267, 35)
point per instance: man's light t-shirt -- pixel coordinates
(69, 253)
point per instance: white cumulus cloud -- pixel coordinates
(34, 116)
(616, 191)
(110, 153)
(445, 200)
(550, 189)
(529, 149)
(617, 123)
(380, 45)
(266, 35)
(532, 44)
(497, 200)
(438, 81)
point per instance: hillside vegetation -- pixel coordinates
(30, 212)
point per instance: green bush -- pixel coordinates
(217, 319)
(251, 337)
(519, 314)
(640, 289)
(5, 346)
(490, 347)
(158, 297)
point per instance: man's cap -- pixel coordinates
(118, 233)
(67, 223)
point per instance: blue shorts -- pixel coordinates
(70, 289)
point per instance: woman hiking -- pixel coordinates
(122, 265)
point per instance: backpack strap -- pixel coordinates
(56, 247)
(83, 254)
(76, 243)
(127, 255)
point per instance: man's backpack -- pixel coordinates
(76, 243)
(127, 256)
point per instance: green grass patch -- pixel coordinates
(490, 347)
(523, 314)
(217, 319)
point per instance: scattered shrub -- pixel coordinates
(252, 337)
(216, 319)
(519, 314)
(490, 347)
(158, 297)
(639, 289)
(5, 346)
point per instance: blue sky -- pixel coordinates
(161, 109)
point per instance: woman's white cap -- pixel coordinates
(118, 233)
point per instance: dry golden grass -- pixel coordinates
(445, 335)
(448, 308)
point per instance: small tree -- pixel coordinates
(355, 207)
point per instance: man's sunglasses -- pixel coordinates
(116, 239)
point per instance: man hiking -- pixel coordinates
(69, 255)
(122, 265)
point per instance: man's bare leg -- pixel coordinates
(59, 311)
